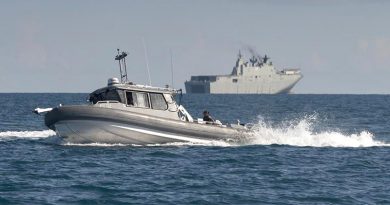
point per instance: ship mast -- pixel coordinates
(121, 58)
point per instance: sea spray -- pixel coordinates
(300, 133)
(27, 134)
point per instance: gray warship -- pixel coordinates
(258, 76)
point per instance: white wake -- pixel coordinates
(302, 134)
(26, 134)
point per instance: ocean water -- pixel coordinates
(305, 149)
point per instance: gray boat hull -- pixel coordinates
(90, 124)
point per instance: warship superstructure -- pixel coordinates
(258, 76)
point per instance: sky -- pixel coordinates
(341, 47)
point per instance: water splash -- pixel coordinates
(26, 134)
(300, 133)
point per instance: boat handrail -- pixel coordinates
(107, 101)
(155, 88)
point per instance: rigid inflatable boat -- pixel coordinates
(124, 112)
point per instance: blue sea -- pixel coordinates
(305, 149)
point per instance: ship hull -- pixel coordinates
(86, 124)
(235, 85)
(95, 131)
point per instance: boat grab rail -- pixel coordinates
(107, 101)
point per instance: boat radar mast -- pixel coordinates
(121, 58)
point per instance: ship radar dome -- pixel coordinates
(112, 81)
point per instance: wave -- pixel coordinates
(27, 134)
(302, 134)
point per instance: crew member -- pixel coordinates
(207, 117)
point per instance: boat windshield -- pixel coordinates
(106, 95)
(158, 101)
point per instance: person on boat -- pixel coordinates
(207, 117)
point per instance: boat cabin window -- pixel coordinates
(122, 96)
(158, 101)
(112, 95)
(137, 99)
(107, 95)
(169, 98)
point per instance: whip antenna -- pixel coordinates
(147, 61)
(170, 50)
